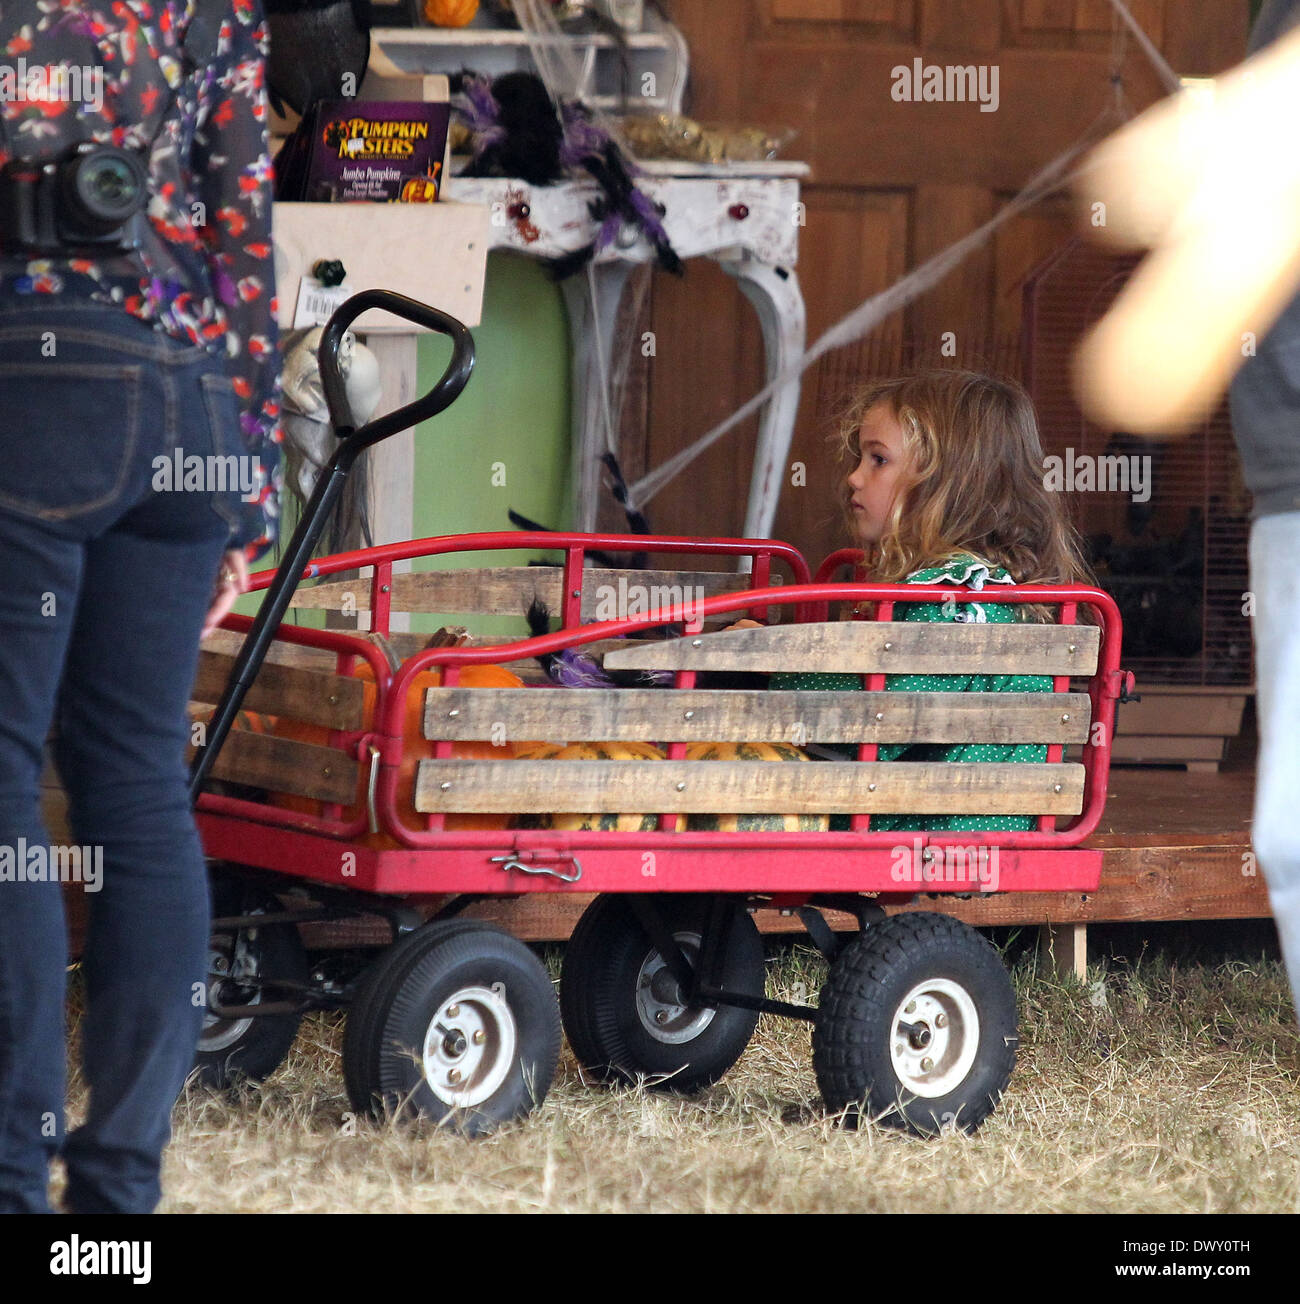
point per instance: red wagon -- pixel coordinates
(410, 791)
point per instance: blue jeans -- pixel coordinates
(106, 574)
(1274, 547)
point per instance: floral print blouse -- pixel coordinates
(184, 81)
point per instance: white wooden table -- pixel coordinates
(746, 217)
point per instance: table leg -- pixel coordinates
(775, 294)
(593, 337)
(392, 462)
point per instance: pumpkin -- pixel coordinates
(634, 822)
(450, 13)
(250, 721)
(610, 752)
(416, 748)
(419, 190)
(244, 722)
(751, 822)
(537, 751)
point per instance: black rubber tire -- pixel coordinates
(363, 1030)
(405, 990)
(598, 996)
(250, 1049)
(854, 1027)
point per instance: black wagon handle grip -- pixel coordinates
(441, 396)
(329, 485)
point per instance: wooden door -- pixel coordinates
(893, 182)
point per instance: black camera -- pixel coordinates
(91, 201)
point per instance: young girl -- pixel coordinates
(946, 487)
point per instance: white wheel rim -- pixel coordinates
(470, 1046)
(658, 998)
(219, 1033)
(933, 1037)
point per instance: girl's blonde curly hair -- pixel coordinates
(973, 482)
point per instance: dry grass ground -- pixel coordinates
(1155, 1089)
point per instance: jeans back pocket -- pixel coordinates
(234, 477)
(68, 434)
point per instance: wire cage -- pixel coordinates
(1167, 522)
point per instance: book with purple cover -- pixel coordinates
(379, 151)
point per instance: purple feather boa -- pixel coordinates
(481, 112)
(571, 669)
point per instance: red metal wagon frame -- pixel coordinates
(788, 868)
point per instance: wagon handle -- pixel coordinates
(440, 397)
(329, 485)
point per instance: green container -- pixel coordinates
(503, 444)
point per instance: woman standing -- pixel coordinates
(139, 386)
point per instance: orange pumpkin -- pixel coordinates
(416, 748)
(450, 13)
(250, 721)
(420, 190)
(419, 748)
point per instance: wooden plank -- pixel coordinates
(870, 647)
(489, 589)
(628, 594)
(332, 701)
(1169, 884)
(864, 138)
(1206, 883)
(968, 26)
(1101, 16)
(496, 590)
(1047, 15)
(834, 11)
(744, 787)
(1175, 847)
(1167, 808)
(960, 306)
(726, 715)
(280, 653)
(1190, 883)
(1154, 750)
(1165, 710)
(283, 765)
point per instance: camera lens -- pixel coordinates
(104, 187)
(112, 183)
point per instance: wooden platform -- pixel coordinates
(1177, 847)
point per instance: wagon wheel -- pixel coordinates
(457, 1022)
(238, 963)
(916, 1025)
(624, 1011)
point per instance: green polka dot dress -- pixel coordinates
(968, 571)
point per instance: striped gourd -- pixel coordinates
(756, 821)
(633, 822)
